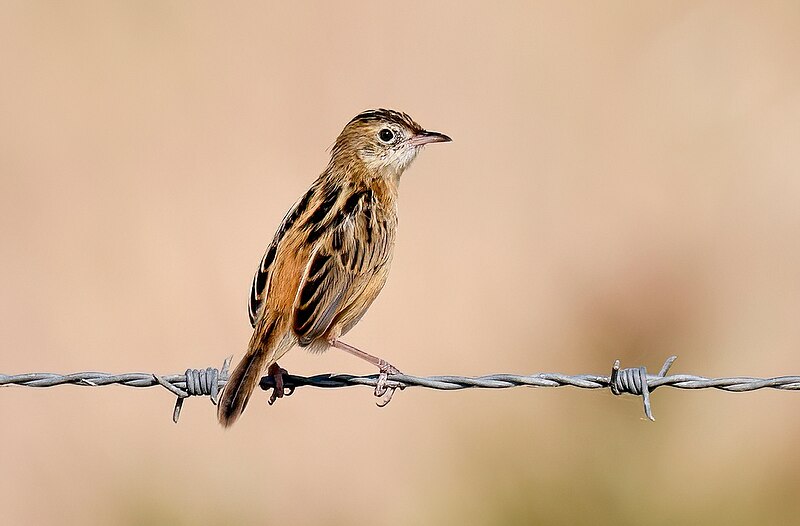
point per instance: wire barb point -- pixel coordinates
(197, 382)
(636, 381)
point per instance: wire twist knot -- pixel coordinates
(198, 382)
(634, 380)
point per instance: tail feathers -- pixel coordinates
(245, 376)
(240, 385)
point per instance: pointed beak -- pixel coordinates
(426, 137)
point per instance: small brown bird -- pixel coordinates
(331, 255)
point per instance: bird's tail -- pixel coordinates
(245, 377)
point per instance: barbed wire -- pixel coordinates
(193, 382)
(210, 381)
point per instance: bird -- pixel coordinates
(330, 256)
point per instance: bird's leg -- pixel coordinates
(277, 372)
(383, 389)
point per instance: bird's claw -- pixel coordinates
(278, 391)
(384, 389)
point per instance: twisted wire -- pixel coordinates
(193, 382)
(210, 381)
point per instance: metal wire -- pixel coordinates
(193, 382)
(209, 382)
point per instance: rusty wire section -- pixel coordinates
(210, 381)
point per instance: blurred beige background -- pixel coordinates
(623, 183)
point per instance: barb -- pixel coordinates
(209, 382)
(204, 382)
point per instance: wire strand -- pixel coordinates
(210, 381)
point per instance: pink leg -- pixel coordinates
(382, 389)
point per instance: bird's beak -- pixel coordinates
(426, 137)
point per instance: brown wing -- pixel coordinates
(346, 256)
(259, 288)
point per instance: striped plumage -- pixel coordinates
(330, 257)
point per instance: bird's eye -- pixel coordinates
(386, 135)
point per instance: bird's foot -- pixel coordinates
(278, 391)
(384, 389)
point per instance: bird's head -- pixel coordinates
(385, 141)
